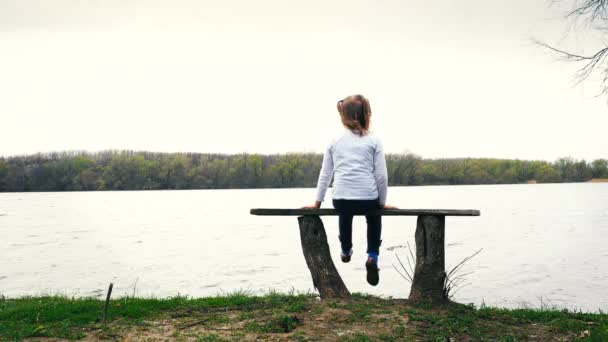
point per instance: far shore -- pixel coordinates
(131, 170)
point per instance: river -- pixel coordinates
(543, 244)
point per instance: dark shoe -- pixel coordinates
(346, 256)
(373, 278)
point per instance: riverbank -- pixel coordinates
(281, 317)
(140, 170)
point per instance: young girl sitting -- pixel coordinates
(356, 161)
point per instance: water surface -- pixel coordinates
(541, 243)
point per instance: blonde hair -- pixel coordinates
(355, 113)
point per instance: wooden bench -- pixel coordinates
(429, 274)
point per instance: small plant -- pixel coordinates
(278, 324)
(209, 338)
(358, 337)
(408, 273)
(453, 281)
(296, 307)
(285, 323)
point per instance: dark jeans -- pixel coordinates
(346, 209)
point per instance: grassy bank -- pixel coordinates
(239, 317)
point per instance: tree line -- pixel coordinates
(130, 170)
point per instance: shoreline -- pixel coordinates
(289, 188)
(287, 317)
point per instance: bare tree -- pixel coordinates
(591, 10)
(595, 14)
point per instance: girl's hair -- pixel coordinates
(355, 113)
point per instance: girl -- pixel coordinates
(356, 161)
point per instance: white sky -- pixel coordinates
(445, 78)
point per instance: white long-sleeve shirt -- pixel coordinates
(358, 166)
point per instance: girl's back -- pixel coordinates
(354, 158)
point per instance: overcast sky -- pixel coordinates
(445, 78)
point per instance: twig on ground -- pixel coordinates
(105, 308)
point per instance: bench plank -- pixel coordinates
(383, 212)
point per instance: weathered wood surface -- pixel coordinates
(429, 274)
(383, 212)
(428, 284)
(325, 276)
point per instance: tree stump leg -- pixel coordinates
(325, 277)
(429, 274)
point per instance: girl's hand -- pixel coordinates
(388, 206)
(317, 205)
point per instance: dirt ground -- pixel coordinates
(353, 320)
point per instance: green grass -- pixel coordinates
(365, 318)
(56, 316)
(397, 334)
(466, 320)
(277, 324)
(358, 337)
(209, 338)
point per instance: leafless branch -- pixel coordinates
(593, 10)
(598, 60)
